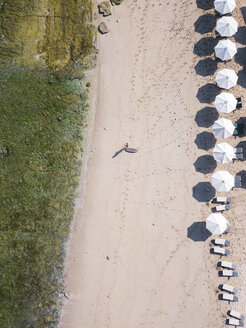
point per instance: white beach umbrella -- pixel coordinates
(225, 102)
(223, 153)
(226, 78)
(226, 26)
(225, 49)
(223, 181)
(223, 128)
(216, 223)
(224, 6)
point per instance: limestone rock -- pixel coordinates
(103, 28)
(105, 8)
(116, 2)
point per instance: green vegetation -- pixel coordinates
(45, 47)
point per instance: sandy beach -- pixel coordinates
(133, 259)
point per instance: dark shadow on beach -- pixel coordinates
(118, 152)
(240, 36)
(206, 116)
(205, 46)
(198, 232)
(203, 192)
(242, 78)
(240, 56)
(243, 11)
(205, 4)
(205, 140)
(205, 24)
(206, 67)
(205, 164)
(207, 93)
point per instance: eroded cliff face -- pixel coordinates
(56, 33)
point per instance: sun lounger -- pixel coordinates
(222, 200)
(229, 289)
(228, 265)
(220, 251)
(221, 208)
(239, 99)
(228, 297)
(238, 181)
(228, 230)
(239, 105)
(238, 156)
(221, 242)
(234, 322)
(227, 273)
(238, 150)
(235, 314)
(239, 129)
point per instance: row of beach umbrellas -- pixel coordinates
(225, 102)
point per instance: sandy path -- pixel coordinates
(137, 207)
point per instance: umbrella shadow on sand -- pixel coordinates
(207, 93)
(205, 46)
(205, 4)
(206, 116)
(205, 164)
(240, 57)
(206, 67)
(203, 192)
(198, 232)
(240, 36)
(205, 140)
(205, 24)
(242, 78)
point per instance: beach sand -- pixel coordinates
(133, 260)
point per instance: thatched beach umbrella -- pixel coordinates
(226, 26)
(224, 6)
(216, 223)
(226, 78)
(223, 128)
(223, 181)
(225, 49)
(223, 153)
(225, 102)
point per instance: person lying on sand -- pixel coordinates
(129, 150)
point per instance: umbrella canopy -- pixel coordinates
(223, 128)
(216, 223)
(225, 49)
(223, 153)
(224, 6)
(225, 102)
(226, 78)
(223, 181)
(226, 26)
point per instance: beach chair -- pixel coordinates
(229, 289)
(239, 99)
(228, 265)
(221, 242)
(239, 129)
(235, 314)
(239, 105)
(238, 150)
(228, 297)
(234, 322)
(239, 156)
(227, 273)
(221, 208)
(220, 251)
(222, 200)
(238, 181)
(228, 230)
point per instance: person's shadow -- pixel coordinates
(118, 152)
